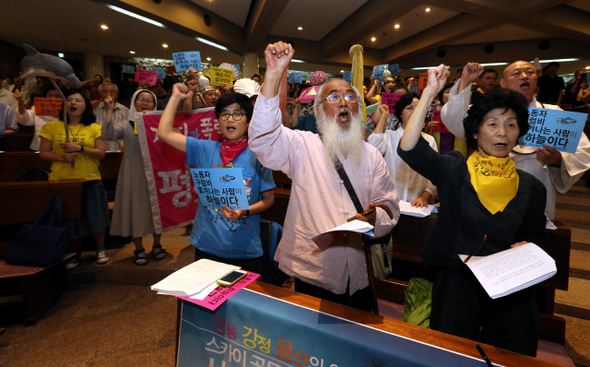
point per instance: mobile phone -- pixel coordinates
(231, 278)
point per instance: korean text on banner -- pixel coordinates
(147, 76)
(561, 130)
(183, 61)
(219, 76)
(48, 106)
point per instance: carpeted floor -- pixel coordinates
(110, 317)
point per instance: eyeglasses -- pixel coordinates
(111, 92)
(335, 98)
(145, 100)
(236, 115)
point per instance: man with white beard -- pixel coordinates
(319, 200)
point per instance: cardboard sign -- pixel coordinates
(440, 127)
(390, 99)
(561, 130)
(378, 71)
(296, 76)
(48, 106)
(128, 69)
(347, 75)
(423, 81)
(219, 76)
(218, 187)
(170, 69)
(147, 76)
(161, 73)
(183, 61)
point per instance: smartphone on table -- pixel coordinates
(232, 277)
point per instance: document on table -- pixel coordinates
(325, 239)
(511, 270)
(406, 208)
(193, 278)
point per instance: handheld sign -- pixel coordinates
(423, 81)
(378, 71)
(218, 187)
(183, 61)
(161, 73)
(440, 127)
(347, 75)
(219, 76)
(128, 69)
(147, 76)
(170, 69)
(296, 76)
(561, 130)
(48, 106)
(394, 68)
(390, 99)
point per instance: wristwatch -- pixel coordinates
(81, 149)
(247, 213)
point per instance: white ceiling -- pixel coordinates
(330, 27)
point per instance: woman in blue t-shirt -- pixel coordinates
(223, 234)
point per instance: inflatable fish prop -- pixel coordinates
(36, 64)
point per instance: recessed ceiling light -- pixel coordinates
(300, 28)
(427, 10)
(396, 26)
(60, 54)
(342, 71)
(164, 45)
(373, 39)
(587, 67)
(104, 26)
(208, 59)
(132, 52)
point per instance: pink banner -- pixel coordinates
(150, 77)
(172, 195)
(390, 99)
(440, 127)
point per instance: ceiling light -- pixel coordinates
(396, 26)
(557, 60)
(297, 60)
(61, 55)
(300, 28)
(342, 71)
(208, 59)
(373, 39)
(211, 43)
(104, 26)
(427, 10)
(587, 67)
(132, 52)
(494, 64)
(136, 16)
(164, 45)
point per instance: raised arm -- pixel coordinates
(436, 81)
(277, 56)
(295, 116)
(166, 131)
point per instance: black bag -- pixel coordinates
(41, 242)
(32, 174)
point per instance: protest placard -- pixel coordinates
(378, 71)
(161, 73)
(218, 187)
(150, 77)
(296, 76)
(219, 76)
(390, 99)
(347, 75)
(423, 81)
(183, 61)
(561, 130)
(394, 68)
(128, 69)
(48, 106)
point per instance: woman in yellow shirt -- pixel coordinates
(77, 158)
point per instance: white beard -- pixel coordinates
(347, 142)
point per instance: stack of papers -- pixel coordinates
(406, 208)
(193, 280)
(326, 239)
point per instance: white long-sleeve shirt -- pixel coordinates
(556, 179)
(319, 200)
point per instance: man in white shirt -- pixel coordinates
(556, 170)
(319, 200)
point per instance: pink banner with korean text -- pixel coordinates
(172, 196)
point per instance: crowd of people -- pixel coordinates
(489, 187)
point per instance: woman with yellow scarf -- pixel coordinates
(486, 206)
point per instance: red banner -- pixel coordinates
(172, 194)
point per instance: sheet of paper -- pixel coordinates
(407, 209)
(193, 278)
(511, 270)
(326, 239)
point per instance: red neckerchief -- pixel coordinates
(230, 150)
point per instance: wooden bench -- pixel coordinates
(22, 202)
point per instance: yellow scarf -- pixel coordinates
(495, 180)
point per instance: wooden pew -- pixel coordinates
(21, 202)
